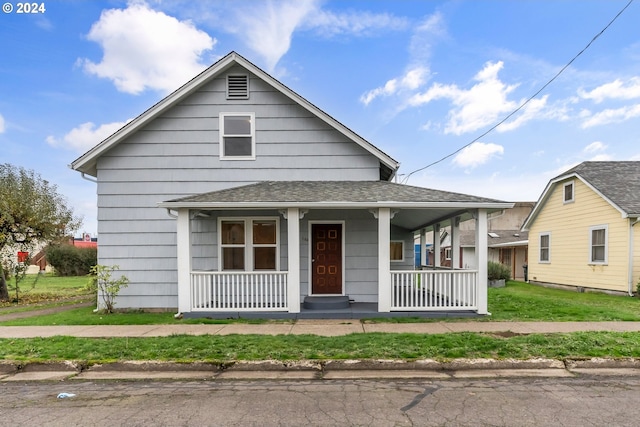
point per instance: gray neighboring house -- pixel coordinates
(235, 196)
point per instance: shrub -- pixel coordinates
(107, 287)
(69, 260)
(497, 271)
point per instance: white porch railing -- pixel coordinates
(239, 291)
(434, 290)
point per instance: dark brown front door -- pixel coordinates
(326, 259)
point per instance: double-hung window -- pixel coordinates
(237, 136)
(598, 244)
(545, 248)
(249, 244)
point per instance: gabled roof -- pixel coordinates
(87, 162)
(616, 182)
(331, 193)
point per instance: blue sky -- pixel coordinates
(418, 79)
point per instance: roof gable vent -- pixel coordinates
(237, 86)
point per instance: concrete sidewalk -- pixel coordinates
(313, 327)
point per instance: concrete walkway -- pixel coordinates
(330, 327)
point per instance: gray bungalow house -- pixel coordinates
(235, 196)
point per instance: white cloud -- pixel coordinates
(146, 49)
(477, 154)
(610, 116)
(356, 23)
(594, 147)
(2, 128)
(474, 108)
(617, 89)
(532, 110)
(417, 73)
(267, 27)
(85, 136)
(411, 80)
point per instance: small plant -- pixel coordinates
(638, 289)
(107, 287)
(497, 271)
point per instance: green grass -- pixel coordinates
(524, 302)
(42, 291)
(516, 302)
(221, 349)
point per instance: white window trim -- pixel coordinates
(604, 227)
(402, 243)
(222, 135)
(248, 241)
(447, 253)
(541, 261)
(573, 192)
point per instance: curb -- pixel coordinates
(315, 370)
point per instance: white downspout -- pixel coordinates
(631, 248)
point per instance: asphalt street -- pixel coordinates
(577, 401)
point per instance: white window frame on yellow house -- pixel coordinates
(548, 260)
(564, 192)
(604, 245)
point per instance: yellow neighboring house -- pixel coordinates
(584, 229)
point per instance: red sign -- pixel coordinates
(23, 256)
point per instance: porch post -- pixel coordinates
(384, 263)
(183, 244)
(293, 248)
(455, 242)
(482, 258)
(423, 247)
(436, 245)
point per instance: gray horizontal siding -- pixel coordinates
(177, 155)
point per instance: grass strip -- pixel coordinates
(210, 348)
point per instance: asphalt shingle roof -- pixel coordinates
(618, 181)
(331, 191)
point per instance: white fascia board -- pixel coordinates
(332, 205)
(516, 243)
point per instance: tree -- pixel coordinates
(31, 211)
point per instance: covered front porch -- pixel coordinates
(376, 272)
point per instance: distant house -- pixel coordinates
(584, 230)
(235, 196)
(506, 243)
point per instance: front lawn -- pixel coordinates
(43, 291)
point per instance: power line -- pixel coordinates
(521, 106)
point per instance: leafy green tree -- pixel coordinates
(31, 212)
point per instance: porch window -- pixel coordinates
(237, 136)
(545, 248)
(598, 244)
(249, 244)
(396, 249)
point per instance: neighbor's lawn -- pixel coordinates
(520, 301)
(41, 291)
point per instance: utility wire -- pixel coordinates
(406, 179)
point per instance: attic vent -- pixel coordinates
(237, 86)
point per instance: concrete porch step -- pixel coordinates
(326, 303)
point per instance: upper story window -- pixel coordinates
(545, 248)
(567, 194)
(598, 244)
(237, 136)
(237, 86)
